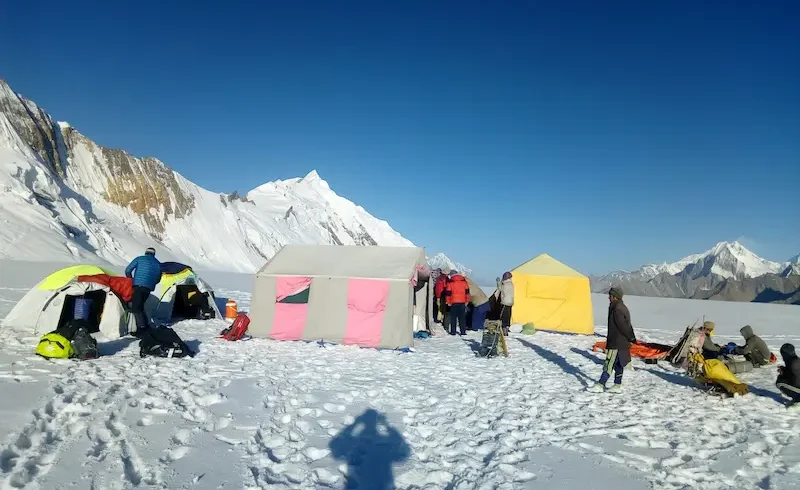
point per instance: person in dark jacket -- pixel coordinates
(754, 350)
(457, 294)
(146, 273)
(618, 342)
(789, 374)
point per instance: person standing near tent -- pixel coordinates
(618, 342)
(438, 289)
(506, 288)
(457, 295)
(146, 273)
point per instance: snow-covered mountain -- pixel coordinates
(66, 198)
(442, 261)
(725, 259)
(727, 271)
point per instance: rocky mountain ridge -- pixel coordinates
(728, 271)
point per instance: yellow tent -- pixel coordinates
(552, 296)
(61, 278)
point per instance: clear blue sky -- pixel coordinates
(608, 134)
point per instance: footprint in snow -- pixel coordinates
(333, 408)
(315, 454)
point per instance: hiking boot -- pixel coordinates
(596, 388)
(616, 388)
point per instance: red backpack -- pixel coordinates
(238, 329)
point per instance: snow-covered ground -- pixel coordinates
(263, 414)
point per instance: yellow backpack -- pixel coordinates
(54, 346)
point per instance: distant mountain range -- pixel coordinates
(727, 272)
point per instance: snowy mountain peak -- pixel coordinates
(442, 261)
(312, 176)
(66, 198)
(729, 260)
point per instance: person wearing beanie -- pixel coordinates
(754, 350)
(618, 342)
(146, 273)
(789, 374)
(710, 349)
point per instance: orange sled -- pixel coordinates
(644, 350)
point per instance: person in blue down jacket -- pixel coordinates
(146, 273)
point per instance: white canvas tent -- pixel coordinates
(367, 296)
(48, 305)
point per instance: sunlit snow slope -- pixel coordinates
(65, 198)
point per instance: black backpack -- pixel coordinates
(83, 344)
(162, 342)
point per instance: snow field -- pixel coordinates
(264, 414)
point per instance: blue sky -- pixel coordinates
(608, 134)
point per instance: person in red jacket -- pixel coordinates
(439, 306)
(457, 294)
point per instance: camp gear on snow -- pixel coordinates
(642, 350)
(422, 334)
(493, 341)
(738, 366)
(552, 296)
(145, 271)
(730, 348)
(714, 372)
(54, 346)
(528, 329)
(616, 292)
(691, 343)
(162, 342)
(237, 330)
(84, 345)
(343, 293)
(51, 303)
(231, 310)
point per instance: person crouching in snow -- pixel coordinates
(457, 294)
(618, 342)
(789, 374)
(754, 350)
(710, 349)
(506, 288)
